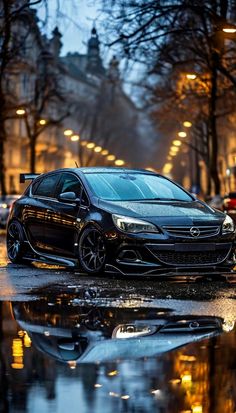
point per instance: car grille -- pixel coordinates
(184, 231)
(191, 258)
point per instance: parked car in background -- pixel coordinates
(229, 205)
(216, 202)
(5, 205)
(127, 221)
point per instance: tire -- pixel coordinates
(92, 251)
(15, 242)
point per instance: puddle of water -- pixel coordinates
(58, 355)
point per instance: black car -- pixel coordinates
(91, 334)
(125, 220)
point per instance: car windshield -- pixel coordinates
(135, 187)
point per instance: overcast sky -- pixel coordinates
(74, 18)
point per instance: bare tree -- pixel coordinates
(10, 49)
(180, 36)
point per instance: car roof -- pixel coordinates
(102, 169)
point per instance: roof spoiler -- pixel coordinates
(27, 177)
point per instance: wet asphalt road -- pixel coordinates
(193, 295)
(58, 350)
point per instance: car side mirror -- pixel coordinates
(68, 197)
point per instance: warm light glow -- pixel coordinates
(119, 162)
(113, 373)
(191, 76)
(125, 397)
(196, 408)
(229, 30)
(68, 132)
(167, 168)
(169, 157)
(42, 122)
(174, 149)
(90, 145)
(228, 325)
(172, 153)
(97, 149)
(83, 143)
(20, 112)
(187, 124)
(182, 134)
(72, 364)
(176, 142)
(27, 340)
(104, 152)
(74, 138)
(186, 378)
(184, 357)
(111, 157)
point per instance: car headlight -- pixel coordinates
(228, 225)
(133, 225)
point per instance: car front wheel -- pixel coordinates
(15, 242)
(92, 251)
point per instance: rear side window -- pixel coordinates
(47, 186)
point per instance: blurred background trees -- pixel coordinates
(187, 50)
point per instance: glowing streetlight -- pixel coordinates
(111, 157)
(20, 111)
(182, 134)
(177, 142)
(97, 149)
(229, 30)
(90, 145)
(83, 143)
(174, 149)
(187, 124)
(68, 132)
(119, 162)
(104, 152)
(75, 138)
(191, 76)
(42, 122)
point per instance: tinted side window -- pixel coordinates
(47, 186)
(69, 183)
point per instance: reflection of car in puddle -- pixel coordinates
(96, 334)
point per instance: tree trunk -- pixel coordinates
(213, 129)
(32, 155)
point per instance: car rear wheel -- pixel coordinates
(15, 242)
(92, 251)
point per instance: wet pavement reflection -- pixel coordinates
(69, 352)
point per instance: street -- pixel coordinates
(62, 347)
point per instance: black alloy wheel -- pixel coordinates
(92, 251)
(15, 242)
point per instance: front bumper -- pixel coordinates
(131, 255)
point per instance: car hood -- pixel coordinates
(191, 213)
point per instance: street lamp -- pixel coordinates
(20, 112)
(104, 152)
(177, 142)
(191, 76)
(90, 145)
(182, 134)
(75, 138)
(97, 149)
(68, 132)
(111, 157)
(187, 124)
(119, 162)
(42, 122)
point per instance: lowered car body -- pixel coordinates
(122, 220)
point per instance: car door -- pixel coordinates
(36, 210)
(63, 218)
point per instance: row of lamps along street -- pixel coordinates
(76, 138)
(92, 146)
(174, 149)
